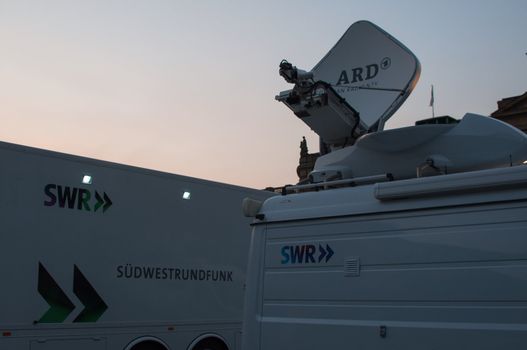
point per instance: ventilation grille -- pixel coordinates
(352, 267)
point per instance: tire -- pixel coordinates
(148, 345)
(210, 344)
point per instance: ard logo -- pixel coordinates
(367, 72)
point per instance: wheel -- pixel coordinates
(148, 345)
(210, 344)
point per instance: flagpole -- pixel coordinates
(432, 101)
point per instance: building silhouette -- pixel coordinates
(513, 110)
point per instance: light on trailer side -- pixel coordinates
(87, 179)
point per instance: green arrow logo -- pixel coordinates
(94, 306)
(104, 201)
(60, 306)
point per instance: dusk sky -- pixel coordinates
(188, 87)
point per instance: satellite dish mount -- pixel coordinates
(355, 88)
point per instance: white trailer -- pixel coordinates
(412, 238)
(101, 256)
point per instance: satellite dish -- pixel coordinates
(355, 88)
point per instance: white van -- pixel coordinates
(412, 238)
(425, 263)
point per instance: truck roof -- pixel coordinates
(468, 188)
(116, 166)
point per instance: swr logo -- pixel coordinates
(73, 197)
(305, 254)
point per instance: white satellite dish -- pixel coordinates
(355, 88)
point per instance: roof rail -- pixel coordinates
(356, 181)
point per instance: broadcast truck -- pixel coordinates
(410, 238)
(102, 256)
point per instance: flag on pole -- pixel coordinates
(432, 96)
